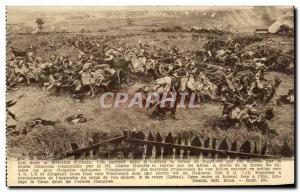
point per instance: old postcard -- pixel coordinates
(150, 96)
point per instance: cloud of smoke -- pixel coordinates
(257, 16)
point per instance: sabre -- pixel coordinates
(14, 81)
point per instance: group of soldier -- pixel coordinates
(109, 64)
(60, 72)
(101, 65)
(251, 52)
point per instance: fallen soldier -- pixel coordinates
(79, 118)
(286, 99)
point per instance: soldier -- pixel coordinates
(53, 82)
(12, 72)
(110, 55)
(207, 87)
(109, 70)
(30, 56)
(287, 99)
(97, 77)
(46, 68)
(190, 82)
(250, 92)
(230, 112)
(229, 78)
(138, 64)
(34, 72)
(237, 48)
(151, 64)
(258, 79)
(183, 82)
(246, 111)
(259, 66)
(39, 60)
(57, 64)
(255, 119)
(163, 84)
(79, 118)
(86, 77)
(22, 70)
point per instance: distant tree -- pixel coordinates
(40, 22)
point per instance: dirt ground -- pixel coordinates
(34, 103)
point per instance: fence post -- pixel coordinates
(206, 145)
(168, 150)
(158, 151)
(223, 146)
(214, 146)
(246, 148)
(264, 149)
(255, 151)
(197, 143)
(186, 143)
(139, 149)
(285, 150)
(234, 148)
(149, 146)
(179, 142)
(74, 147)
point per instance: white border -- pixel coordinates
(296, 3)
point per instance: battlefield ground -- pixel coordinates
(33, 102)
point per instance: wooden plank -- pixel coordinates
(202, 149)
(86, 149)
